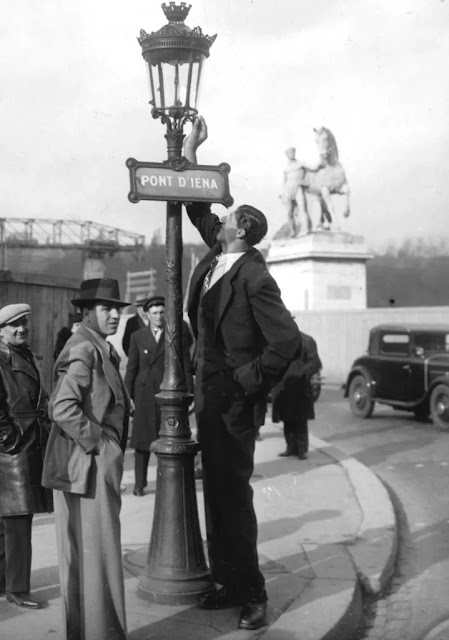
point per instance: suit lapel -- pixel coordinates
(110, 373)
(21, 364)
(226, 285)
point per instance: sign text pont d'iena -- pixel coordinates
(189, 183)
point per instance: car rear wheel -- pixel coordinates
(439, 406)
(360, 397)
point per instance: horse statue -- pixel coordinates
(323, 181)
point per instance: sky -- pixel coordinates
(74, 106)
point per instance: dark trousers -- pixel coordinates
(227, 433)
(141, 460)
(296, 433)
(15, 553)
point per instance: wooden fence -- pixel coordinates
(49, 299)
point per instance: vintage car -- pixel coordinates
(406, 367)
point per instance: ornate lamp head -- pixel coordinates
(175, 55)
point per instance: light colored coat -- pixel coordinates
(77, 408)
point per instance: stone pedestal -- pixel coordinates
(320, 271)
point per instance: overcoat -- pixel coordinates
(292, 398)
(23, 405)
(77, 408)
(134, 323)
(144, 373)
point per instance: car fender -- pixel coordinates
(436, 381)
(356, 371)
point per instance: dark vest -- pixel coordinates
(210, 350)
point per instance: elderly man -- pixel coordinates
(84, 464)
(143, 378)
(23, 422)
(246, 339)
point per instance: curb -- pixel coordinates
(376, 542)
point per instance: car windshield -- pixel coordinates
(426, 343)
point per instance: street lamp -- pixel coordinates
(175, 571)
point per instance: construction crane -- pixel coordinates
(95, 239)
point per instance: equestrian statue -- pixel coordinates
(326, 179)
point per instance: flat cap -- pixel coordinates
(154, 301)
(13, 312)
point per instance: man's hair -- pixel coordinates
(253, 221)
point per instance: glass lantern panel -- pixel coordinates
(175, 85)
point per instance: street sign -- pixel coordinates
(179, 181)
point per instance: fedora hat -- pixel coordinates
(99, 290)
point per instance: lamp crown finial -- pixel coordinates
(176, 12)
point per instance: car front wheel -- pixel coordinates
(439, 406)
(360, 397)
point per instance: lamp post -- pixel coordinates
(175, 571)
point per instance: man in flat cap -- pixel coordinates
(23, 430)
(246, 339)
(143, 378)
(84, 464)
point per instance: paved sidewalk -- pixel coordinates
(326, 530)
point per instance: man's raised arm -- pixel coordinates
(197, 136)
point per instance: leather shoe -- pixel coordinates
(24, 600)
(223, 598)
(253, 616)
(287, 453)
(138, 491)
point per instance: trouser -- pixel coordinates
(15, 553)
(227, 434)
(296, 433)
(141, 460)
(90, 556)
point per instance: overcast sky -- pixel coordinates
(74, 106)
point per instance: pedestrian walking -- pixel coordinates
(143, 378)
(293, 399)
(23, 434)
(246, 339)
(84, 464)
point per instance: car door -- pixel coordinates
(394, 368)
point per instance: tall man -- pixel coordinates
(23, 430)
(143, 378)
(84, 463)
(246, 339)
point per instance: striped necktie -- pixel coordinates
(207, 279)
(114, 356)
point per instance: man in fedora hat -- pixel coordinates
(143, 378)
(23, 429)
(84, 464)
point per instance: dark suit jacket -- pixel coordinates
(143, 378)
(252, 326)
(292, 398)
(134, 324)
